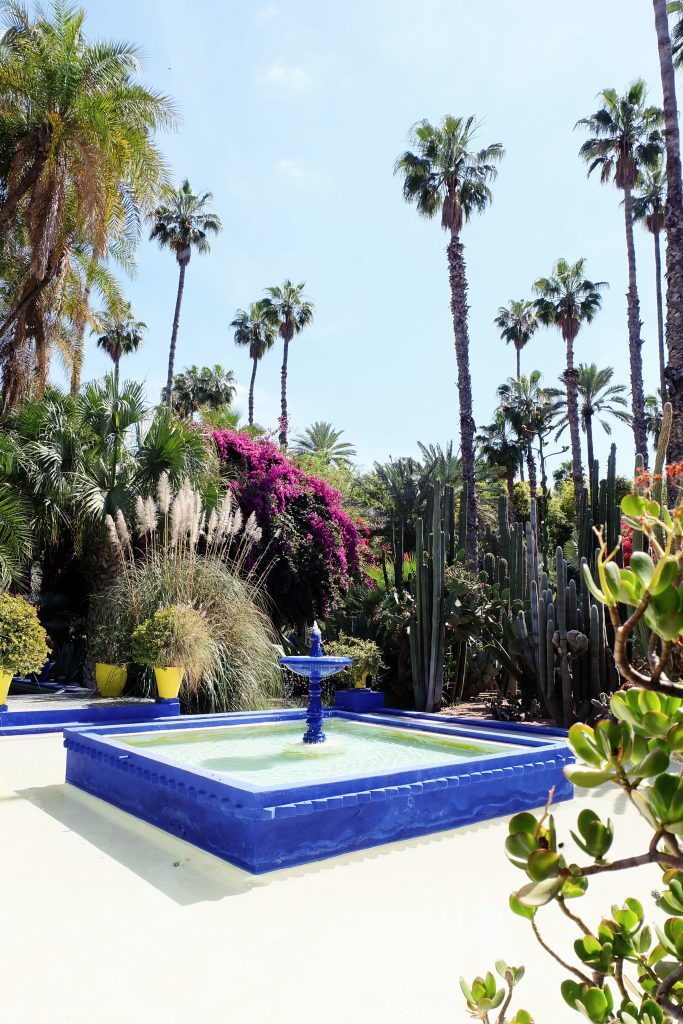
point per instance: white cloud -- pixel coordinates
(267, 13)
(287, 76)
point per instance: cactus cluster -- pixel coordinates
(434, 544)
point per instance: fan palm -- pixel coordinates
(444, 173)
(255, 329)
(529, 408)
(212, 387)
(626, 138)
(181, 224)
(653, 411)
(517, 322)
(568, 300)
(649, 202)
(599, 398)
(291, 311)
(503, 451)
(78, 157)
(442, 464)
(121, 335)
(673, 224)
(322, 440)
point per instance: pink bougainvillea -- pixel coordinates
(314, 544)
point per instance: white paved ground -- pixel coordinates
(106, 920)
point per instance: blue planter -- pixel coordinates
(358, 699)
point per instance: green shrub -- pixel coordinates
(23, 641)
(110, 642)
(366, 655)
(174, 636)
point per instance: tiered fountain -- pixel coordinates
(315, 667)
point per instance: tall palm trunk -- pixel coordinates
(589, 442)
(635, 343)
(283, 395)
(673, 223)
(660, 316)
(531, 465)
(251, 390)
(174, 333)
(458, 282)
(571, 379)
(519, 362)
(117, 360)
(79, 350)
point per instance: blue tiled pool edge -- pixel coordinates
(118, 713)
(261, 829)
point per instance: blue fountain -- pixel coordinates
(315, 667)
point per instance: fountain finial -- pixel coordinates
(316, 646)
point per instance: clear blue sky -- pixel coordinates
(293, 112)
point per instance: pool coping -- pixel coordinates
(264, 828)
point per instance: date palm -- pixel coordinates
(673, 225)
(517, 322)
(255, 329)
(625, 139)
(568, 300)
(291, 311)
(649, 202)
(183, 224)
(443, 173)
(79, 161)
(120, 335)
(322, 440)
(599, 399)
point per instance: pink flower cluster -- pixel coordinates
(286, 500)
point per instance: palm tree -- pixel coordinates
(517, 322)
(255, 329)
(212, 387)
(79, 163)
(183, 224)
(599, 398)
(442, 464)
(653, 411)
(444, 173)
(673, 225)
(529, 408)
(292, 312)
(649, 202)
(503, 451)
(322, 440)
(625, 139)
(567, 300)
(121, 335)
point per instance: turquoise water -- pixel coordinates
(274, 755)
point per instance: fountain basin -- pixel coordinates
(219, 781)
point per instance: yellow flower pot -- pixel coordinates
(110, 679)
(168, 681)
(361, 683)
(5, 680)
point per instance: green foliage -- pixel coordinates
(626, 970)
(175, 636)
(485, 995)
(110, 642)
(23, 641)
(366, 654)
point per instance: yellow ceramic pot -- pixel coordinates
(5, 680)
(168, 681)
(110, 679)
(360, 683)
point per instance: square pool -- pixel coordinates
(246, 788)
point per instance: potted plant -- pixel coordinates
(110, 648)
(23, 641)
(173, 641)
